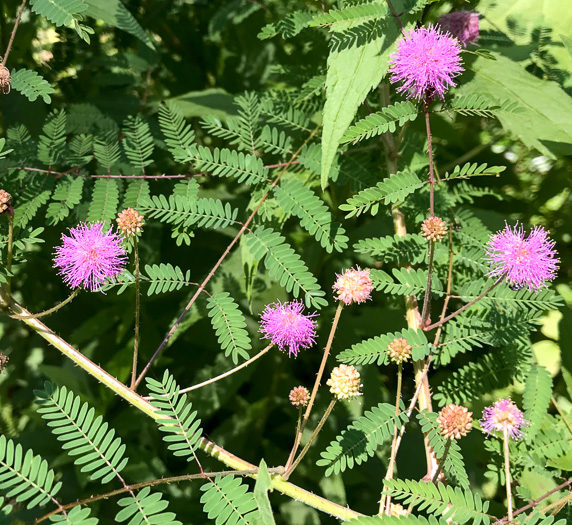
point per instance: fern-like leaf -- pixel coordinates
(407, 282)
(450, 503)
(285, 265)
(146, 507)
(166, 278)
(230, 163)
(81, 147)
(273, 141)
(390, 190)
(179, 136)
(229, 325)
(290, 117)
(454, 464)
(138, 143)
(107, 152)
(295, 197)
(226, 500)
(84, 435)
(472, 169)
(374, 350)
(177, 420)
(536, 398)
(395, 248)
(66, 197)
(180, 211)
(360, 440)
(353, 13)
(478, 105)
(289, 26)
(387, 119)
(76, 516)
(59, 12)
(35, 194)
(31, 85)
(53, 140)
(25, 477)
(136, 191)
(104, 201)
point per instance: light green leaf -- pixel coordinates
(114, 13)
(354, 69)
(546, 123)
(263, 485)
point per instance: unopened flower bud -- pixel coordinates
(130, 222)
(299, 396)
(455, 421)
(399, 350)
(434, 228)
(4, 200)
(344, 382)
(5, 79)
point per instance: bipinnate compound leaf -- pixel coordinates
(145, 507)
(357, 63)
(443, 500)
(105, 199)
(77, 516)
(226, 500)
(179, 136)
(545, 123)
(285, 265)
(361, 439)
(229, 325)
(98, 451)
(177, 419)
(52, 144)
(114, 13)
(535, 399)
(163, 278)
(59, 12)
(31, 85)
(24, 476)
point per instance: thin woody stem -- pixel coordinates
(219, 262)
(507, 472)
(10, 249)
(298, 438)
(312, 437)
(385, 502)
(14, 29)
(226, 374)
(427, 298)
(464, 307)
(431, 164)
(137, 313)
(138, 402)
(442, 461)
(73, 295)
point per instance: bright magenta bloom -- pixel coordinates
(463, 25)
(89, 256)
(353, 286)
(286, 326)
(426, 61)
(503, 413)
(529, 261)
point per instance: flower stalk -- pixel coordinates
(507, 472)
(69, 299)
(137, 313)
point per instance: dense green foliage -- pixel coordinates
(267, 152)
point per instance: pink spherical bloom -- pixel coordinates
(426, 61)
(463, 25)
(89, 256)
(286, 326)
(529, 261)
(353, 286)
(503, 413)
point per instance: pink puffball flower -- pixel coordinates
(426, 61)
(503, 413)
(89, 256)
(353, 286)
(463, 25)
(529, 261)
(286, 326)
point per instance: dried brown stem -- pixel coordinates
(14, 29)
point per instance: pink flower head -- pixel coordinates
(526, 261)
(89, 256)
(286, 326)
(353, 286)
(463, 25)
(503, 413)
(426, 61)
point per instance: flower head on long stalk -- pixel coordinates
(503, 413)
(353, 286)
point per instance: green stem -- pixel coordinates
(442, 462)
(298, 438)
(10, 249)
(138, 402)
(73, 295)
(507, 472)
(312, 437)
(137, 314)
(562, 415)
(427, 298)
(385, 502)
